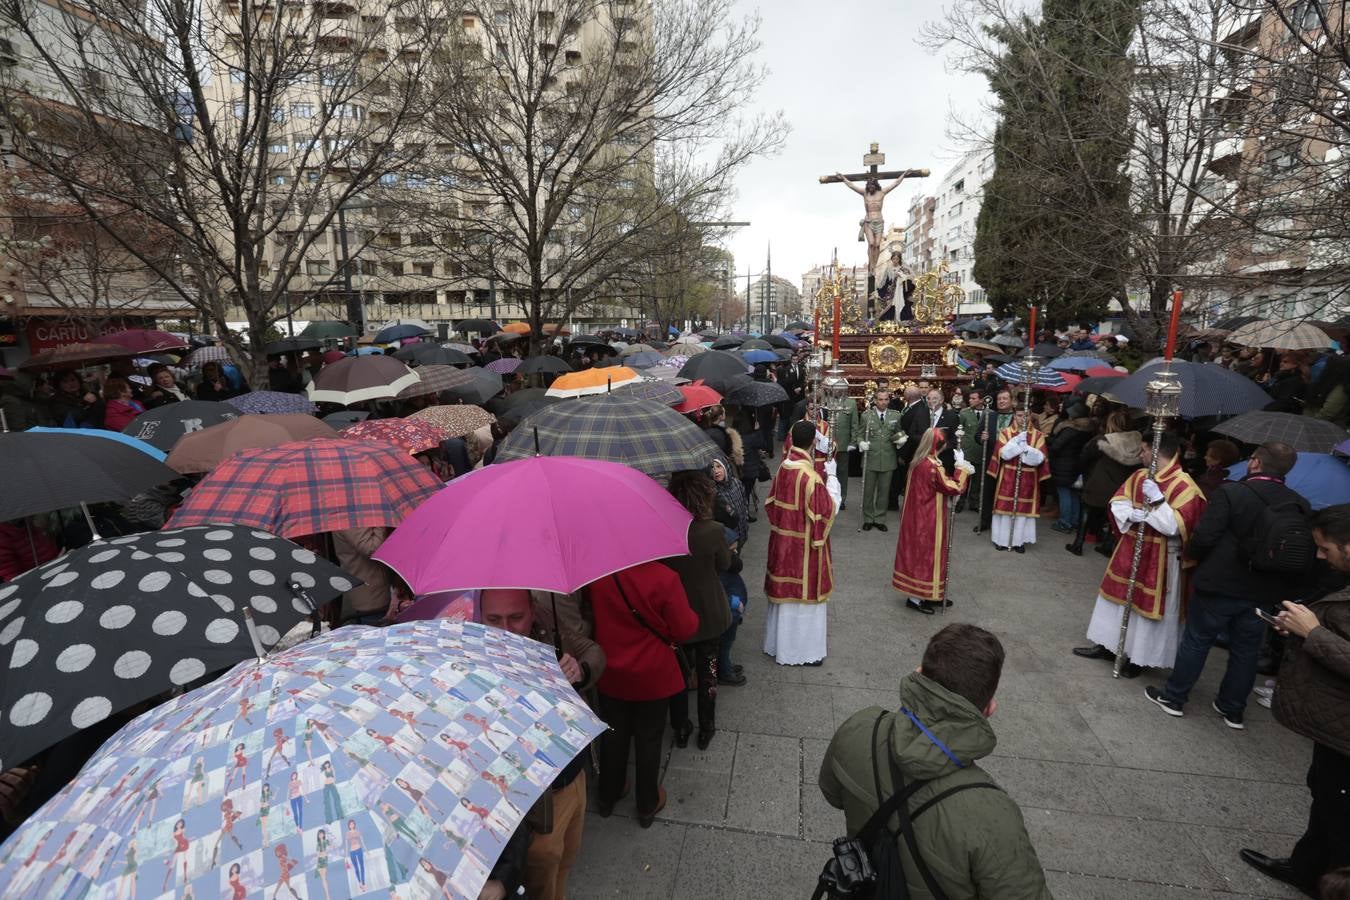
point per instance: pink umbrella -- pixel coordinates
(583, 519)
(144, 341)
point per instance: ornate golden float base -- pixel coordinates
(894, 356)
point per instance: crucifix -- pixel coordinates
(872, 227)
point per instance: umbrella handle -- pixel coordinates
(536, 440)
(253, 635)
(94, 536)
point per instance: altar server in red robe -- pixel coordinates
(1017, 499)
(798, 579)
(1170, 506)
(921, 546)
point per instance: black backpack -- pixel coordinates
(869, 867)
(1281, 540)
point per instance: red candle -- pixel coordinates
(1031, 332)
(834, 347)
(815, 331)
(1172, 326)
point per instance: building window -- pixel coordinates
(389, 178)
(302, 110)
(316, 267)
(394, 268)
(427, 269)
(279, 149)
(279, 180)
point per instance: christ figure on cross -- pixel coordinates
(872, 228)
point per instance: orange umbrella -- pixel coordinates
(516, 328)
(555, 328)
(591, 381)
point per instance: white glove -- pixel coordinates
(959, 456)
(1010, 450)
(830, 467)
(900, 440)
(823, 443)
(852, 447)
(864, 445)
(1032, 457)
(1138, 515)
(963, 466)
(1152, 493)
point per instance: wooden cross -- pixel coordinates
(874, 160)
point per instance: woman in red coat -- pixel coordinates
(641, 614)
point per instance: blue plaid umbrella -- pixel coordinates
(619, 428)
(1016, 373)
(273, 402)
(358, 762)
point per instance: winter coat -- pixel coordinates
(708, 555)
(753, 441)
(1065, 446)
(1107, 462)
(737, 451)
(1231, 516)
(1286, 390)
(1312, 697)
(718, 435)
(974, 842)
(638, 665)
(117, 414)
(18, 544)
(353, 547)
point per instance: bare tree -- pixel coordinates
(238, 128)
(574, 130)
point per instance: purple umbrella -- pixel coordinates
(272, 402)
(504, 366)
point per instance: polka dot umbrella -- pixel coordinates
(116, 622)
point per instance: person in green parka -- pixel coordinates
(974, 841)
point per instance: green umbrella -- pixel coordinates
(328, 331)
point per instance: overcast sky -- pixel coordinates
(845, 73)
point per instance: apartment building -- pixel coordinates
(771, 302)
(63, 280)
(816, 275)
(941, 226)
(378, 259)
(1277, 159)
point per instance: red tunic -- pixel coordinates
(1150, 590)
(1005, 470)
(921, 546)
(800, 513)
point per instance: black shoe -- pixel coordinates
(881, 528)
(1171, 707)
(960, 506)
(752, 518)
(819, 662)
(867, 526)
(938, 604)
(645, 819)
(1075, 549)
(732, 679)
(843, 505)
(1103, 549)
(1020, 548)
(1001, 549)
(1232, 721)
(976, 530)
(1096, 651)
(705, 738)
(738, 668)
(915, 605)
(1130, 670)
(682, 732)
(1279, 868)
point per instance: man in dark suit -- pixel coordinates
(933, 413)
(911, 411)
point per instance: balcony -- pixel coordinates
(1227, 154)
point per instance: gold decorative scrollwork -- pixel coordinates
(935, 299)
(888, 354)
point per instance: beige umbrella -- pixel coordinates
(456, 420)
(1288, 335)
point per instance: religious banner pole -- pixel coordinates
(1163, 400)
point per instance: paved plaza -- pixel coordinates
(1121, 801)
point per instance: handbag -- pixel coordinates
(686, 670)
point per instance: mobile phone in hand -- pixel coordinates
(1267, 617)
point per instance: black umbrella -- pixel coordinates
(797, 326)
(1206, 390)
(432, 355)
(776, 341)
(1233, 323)
(344, 417)
(116, 622)
(1304, 433)
(291, 345)
(482, 326)
(757, 393)
(512, 415)
(727, 343)
(549, 364)
(481, 387)
(163, 426)
(756, 344)
(714, 368)
(999, 358)
(588, 339)
(50, 471)
(1009, 341)
(658, 345)
(1044, 351)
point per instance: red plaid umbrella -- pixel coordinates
(309, 487)
(412, 435)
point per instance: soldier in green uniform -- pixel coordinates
(878, 431)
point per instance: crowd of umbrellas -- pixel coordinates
(370, 757)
